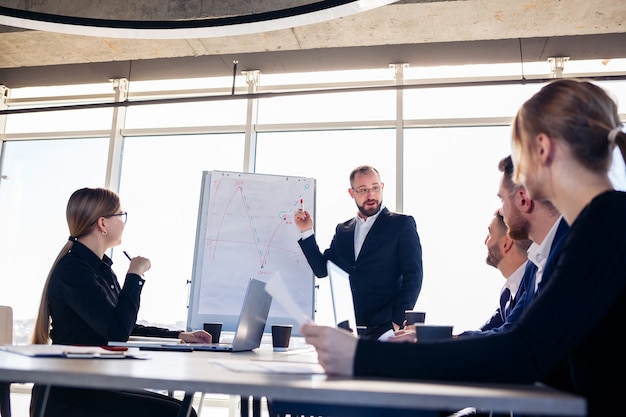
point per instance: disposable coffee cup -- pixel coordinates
(215, 330)
(432, 333)
(413, 317)
(281, 333)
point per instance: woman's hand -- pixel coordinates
(139, 265)
(335, 348)
(197, 336)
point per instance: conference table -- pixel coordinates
(288, 376)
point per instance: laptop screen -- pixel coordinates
(343, 304)
(254, 312)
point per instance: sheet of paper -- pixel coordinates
(385, 336)
(278, 290)
(70, 351)
(272, 367)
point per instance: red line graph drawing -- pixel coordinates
(236, 203)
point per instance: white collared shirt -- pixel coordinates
(361, 229)
(538, 254)
(514, 280)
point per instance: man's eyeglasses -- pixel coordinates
(123, 215)
(363, 191)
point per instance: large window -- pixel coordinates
(60, 121)
(445, 157)
(466, 102)
(187, 114)
(160, 189)
(38, 178)
(332, 107)
(451, 183)
(329, 156)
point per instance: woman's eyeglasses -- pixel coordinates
(123, 215)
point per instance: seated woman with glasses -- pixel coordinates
(83, 304)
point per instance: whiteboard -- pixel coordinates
(246, 230)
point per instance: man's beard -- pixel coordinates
(494, 256)
(369, 212)
(518, 226)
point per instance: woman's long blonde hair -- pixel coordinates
(84, 208)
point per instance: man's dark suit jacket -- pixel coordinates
(530, 293)
(499, 316)
(386, 278)
(526, 291)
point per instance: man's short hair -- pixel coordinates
(506, 167)
(362, 169)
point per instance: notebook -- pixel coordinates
(248, 334)
(341, 292)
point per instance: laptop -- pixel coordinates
(251, 324)
(341, 292)
(248, 334)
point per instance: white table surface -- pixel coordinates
(202, 372)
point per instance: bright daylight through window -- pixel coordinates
(441, 169)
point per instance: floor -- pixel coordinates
(215, 405)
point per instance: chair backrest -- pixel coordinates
(6, 325)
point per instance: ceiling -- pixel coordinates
(420, 33)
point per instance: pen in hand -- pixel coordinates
(129, 258)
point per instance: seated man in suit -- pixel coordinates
(525, 218)
(380, 250)
(509, 257)
(538, 221)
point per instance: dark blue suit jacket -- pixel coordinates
(555, 251)
(387, 276)
(499, 316)
(526, 292)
